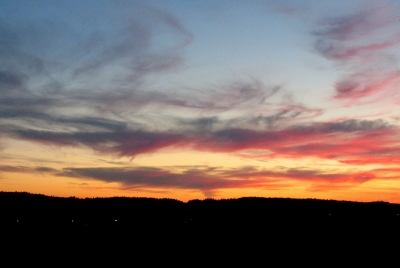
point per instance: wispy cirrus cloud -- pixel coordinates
(363, 45)
(61, 83)
(50, 66)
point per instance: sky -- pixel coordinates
(201, 99)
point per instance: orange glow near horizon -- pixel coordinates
(241, 177)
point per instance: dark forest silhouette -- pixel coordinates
(169, 231)
(25, 215)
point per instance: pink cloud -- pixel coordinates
(348, 141)
(364, 85)
(361, 44)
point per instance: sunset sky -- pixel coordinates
(201, 99)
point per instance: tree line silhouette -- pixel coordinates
(25, 215)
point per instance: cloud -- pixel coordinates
(359, 24)
(46, 169)
(244, 94)
(11, 80)
(88, 82)
(362, 44)
(204, 178)
(51, 66)
(15, 169)
(240, 138)
(348, 141)
(199, 179)
(64, 80)
(210, 179)
(363, 85)
(27, 169)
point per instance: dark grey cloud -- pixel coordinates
(11, 80)
(211, 179)
(15, 169)
(204, 178)
(120, 142)
(28, 169)
(199, 179)
(352, 125)
(46, 169)
(349, 27)
(338, 127)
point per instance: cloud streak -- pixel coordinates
(48, 65)
(362, 44)
(208, 179)
(349, 141)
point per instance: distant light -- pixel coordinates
(115, 219)
(72, 220)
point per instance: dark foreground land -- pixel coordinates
(132, 228)
(29, 215)
(203, 229)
